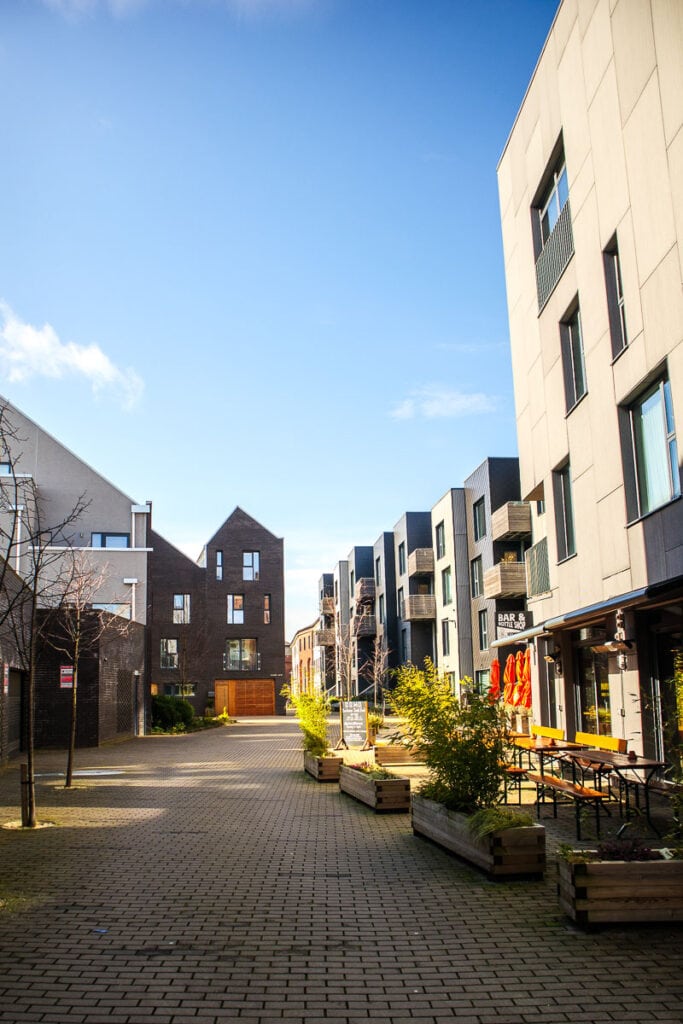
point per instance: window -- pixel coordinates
(381, 609)
(236, 609)
(352, 582)
(241, 656)
(564, 513)
(250, 565)
(378, 571)
(446, 637)
(652, 470)
(479, 517)
(181, 609)
(440, 540)
(556, 195)
(219, 565)
(483, 630)
(477, 577)
(482, 681)
(110, 540)
(180, 689)
(446, 590)
(615, 298)
(571, 344)
(266, 609)
(399, 602)
(122, 610)
(169, 654)
(5, 468)
(404, 645)
(401, 558)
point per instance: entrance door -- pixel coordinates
(245, 697)
(668, 696)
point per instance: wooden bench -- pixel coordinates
(581, 795)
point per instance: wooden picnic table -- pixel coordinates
(626, 766)
(544, 749)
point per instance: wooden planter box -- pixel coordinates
(512, 851)
(380, 794)
(391, 754)
(602, 892)
(323, 769)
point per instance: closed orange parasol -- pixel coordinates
(509, 677)
(519, 672)
(494, 689)
(525, 692)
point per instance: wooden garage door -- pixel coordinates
(246, 697)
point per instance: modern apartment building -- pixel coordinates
(453, 633)
(592, 220)
(303, 676)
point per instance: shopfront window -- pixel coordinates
(593, 710)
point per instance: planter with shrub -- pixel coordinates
(463, 746)
(372, 786)
(312, 711)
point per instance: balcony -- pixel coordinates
(327, 606)
(511, 521)
(421, 562)
(364, 590)
(364, 625)
(507, 579)
(538, 569)
(324, 638)
(418, 607)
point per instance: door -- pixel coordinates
(245, 697)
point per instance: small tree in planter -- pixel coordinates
(312, 711)
(463, 748)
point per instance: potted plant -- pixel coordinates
(621, 881)
(312, 711)
(463, 747)
(375, 787)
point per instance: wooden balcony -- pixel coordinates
(418, 607)
(327, 606)
(364, 590)
(507, 579)
(511, 521)
(324, 638)
(421, 562)
(364, 625)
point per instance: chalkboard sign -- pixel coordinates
(354, 723)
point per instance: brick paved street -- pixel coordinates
(211, 880)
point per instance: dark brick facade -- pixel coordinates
(202, 643)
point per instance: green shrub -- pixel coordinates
(312, 712)
(170, 712)
(462, 743)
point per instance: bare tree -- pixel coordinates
(375, 668)
(33, 572)
(74, 628)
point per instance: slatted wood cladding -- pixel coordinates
(245, 697)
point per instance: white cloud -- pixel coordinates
(439, 403)
(27, 351)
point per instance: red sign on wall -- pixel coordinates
(66, 677)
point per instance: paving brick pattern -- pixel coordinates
(212, 880)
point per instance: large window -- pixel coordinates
(169, 654)
(440, 540)
(180, 689)
(479, 518)
(266, 609)
(573, 364)
(653, 466)
(241, 655)
(181, 609)
(593, 695)
(564, 513)
(378, 571)
(382, 617)
(235, 609)
(250, 565)
(445, 637)
(219, 565)
(399, 602)
(446, 588)
(483, 630)
(615, 298)
(552, 204)
(401, 558)
(110, 540)
(477, 577)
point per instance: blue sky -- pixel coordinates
(251, 253)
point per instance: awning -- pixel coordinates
(519, 638)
